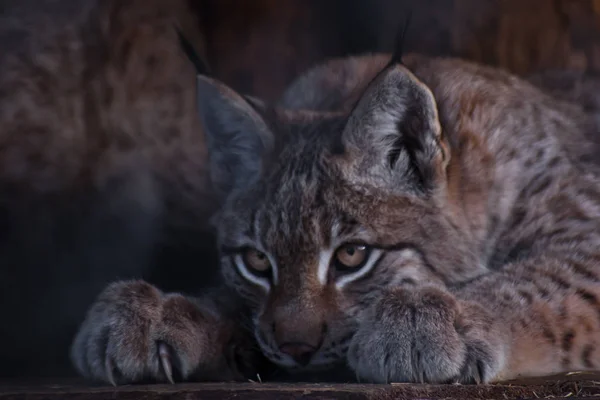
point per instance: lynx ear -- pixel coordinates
(237, 136)
(395, 132)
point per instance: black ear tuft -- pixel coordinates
(400, 40)
(188, 49)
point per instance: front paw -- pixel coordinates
(425, 335)
(133, 333)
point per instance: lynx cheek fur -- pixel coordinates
(440, 227)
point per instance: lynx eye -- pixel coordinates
(256, 260)
(351, 256)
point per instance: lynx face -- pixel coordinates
(313, 262)
(325, 212)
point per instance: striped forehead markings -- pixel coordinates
(326, 254)
(323, 267)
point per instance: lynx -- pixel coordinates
(425, 221)
(430, 221)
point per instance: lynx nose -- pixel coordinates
(300, 352)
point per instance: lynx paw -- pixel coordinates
(425, 335)
(133, 332)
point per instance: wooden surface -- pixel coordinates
(575, 386)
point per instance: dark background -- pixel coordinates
(258, 46)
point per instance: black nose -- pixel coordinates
(300, 352)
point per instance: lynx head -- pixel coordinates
(326, 211)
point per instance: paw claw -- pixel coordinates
(416, 361)
(479, 374)
(165, 360)
(108, 365)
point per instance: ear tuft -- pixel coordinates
(200, 66)
(400, 40)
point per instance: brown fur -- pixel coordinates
(114, 87)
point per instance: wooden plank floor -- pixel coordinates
(571, 386)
